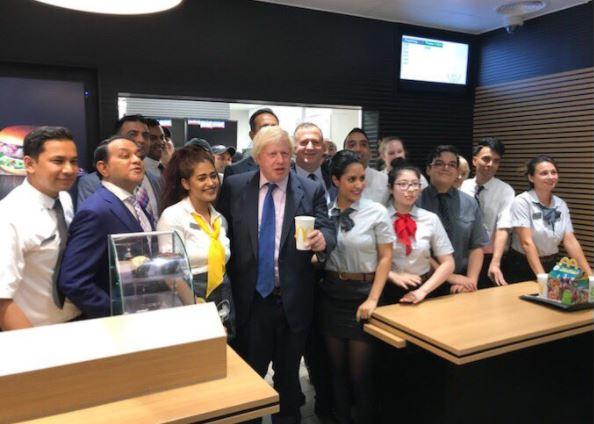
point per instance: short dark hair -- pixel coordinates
(490, 142)
(128, 118)
(34, 141)
(532, 163)
(101, 152)
(341, 160)
(353, 131)
(258, 113)
(444, 148)
(152, 123)
(166, 132)
(399, 165)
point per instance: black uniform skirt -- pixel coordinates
(516, 268)
(223, 299)
(338, 308)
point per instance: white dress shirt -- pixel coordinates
(179, 217)
(524, 213)
(356, 250)
(430, 239)
(279, 195)
(495, 202)
(376, 186)
(29, 253)
(152, 166)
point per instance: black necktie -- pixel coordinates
(443, 212)
(549, 215)
(477, 192)
(63, 233)
(312, 177)
(161, 167)
(342, 218)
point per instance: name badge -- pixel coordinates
(537, 215)
(195, 226)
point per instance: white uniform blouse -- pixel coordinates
(525, 213)
(430, 238)
(356, 250)
(179, 217)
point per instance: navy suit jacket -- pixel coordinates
(84, 272)
(238, 203)
(245, 165)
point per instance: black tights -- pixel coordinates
(351, 362)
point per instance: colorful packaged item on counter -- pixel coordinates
(567, 283)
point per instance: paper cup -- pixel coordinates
(542, 280)
(303, 226)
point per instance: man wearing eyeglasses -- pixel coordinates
(494, 197)
(460, 215)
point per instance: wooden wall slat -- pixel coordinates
(554, 115)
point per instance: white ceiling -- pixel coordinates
(470, 16)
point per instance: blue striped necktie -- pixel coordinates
(265, 281)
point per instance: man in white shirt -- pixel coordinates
(309, 157)
(111, 209)
(159, 152)
(376, 182)
(34, 218)
(494, 198)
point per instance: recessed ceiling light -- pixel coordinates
(521, 8)
(115, 7)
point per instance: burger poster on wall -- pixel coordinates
(11, 149)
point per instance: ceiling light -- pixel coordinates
(521, 8)
(513, 13)
(116, 7)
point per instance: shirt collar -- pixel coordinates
(119, 192)
(431, 190)
(535, 199)
(302, 172)
(43, 199)
(282, 184)
(392, 211)
(189, 208)
(354, 206)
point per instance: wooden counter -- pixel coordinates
(467, 327)
(240, 396)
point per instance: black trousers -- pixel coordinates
(517, 268)
(266, 337)
(484, 282)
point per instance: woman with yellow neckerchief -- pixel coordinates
(191, 185)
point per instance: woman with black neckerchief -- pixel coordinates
(355, 275)
(541, 222)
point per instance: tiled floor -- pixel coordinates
(307, 411)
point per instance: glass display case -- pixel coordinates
(148, 271)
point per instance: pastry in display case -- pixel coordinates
(148, 271)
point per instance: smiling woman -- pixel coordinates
(191, 186)
(541, 223)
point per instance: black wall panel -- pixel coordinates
(553, 43)
(238, 49)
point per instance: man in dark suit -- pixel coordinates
(134, 127)
(273, 282)
(260, 119)
(111, 209)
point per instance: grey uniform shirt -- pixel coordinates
(525, 213)
(356, 250)
(467, 231)
(430, 239)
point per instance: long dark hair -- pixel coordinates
(181, 166)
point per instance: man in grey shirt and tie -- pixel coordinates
(459, 214)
